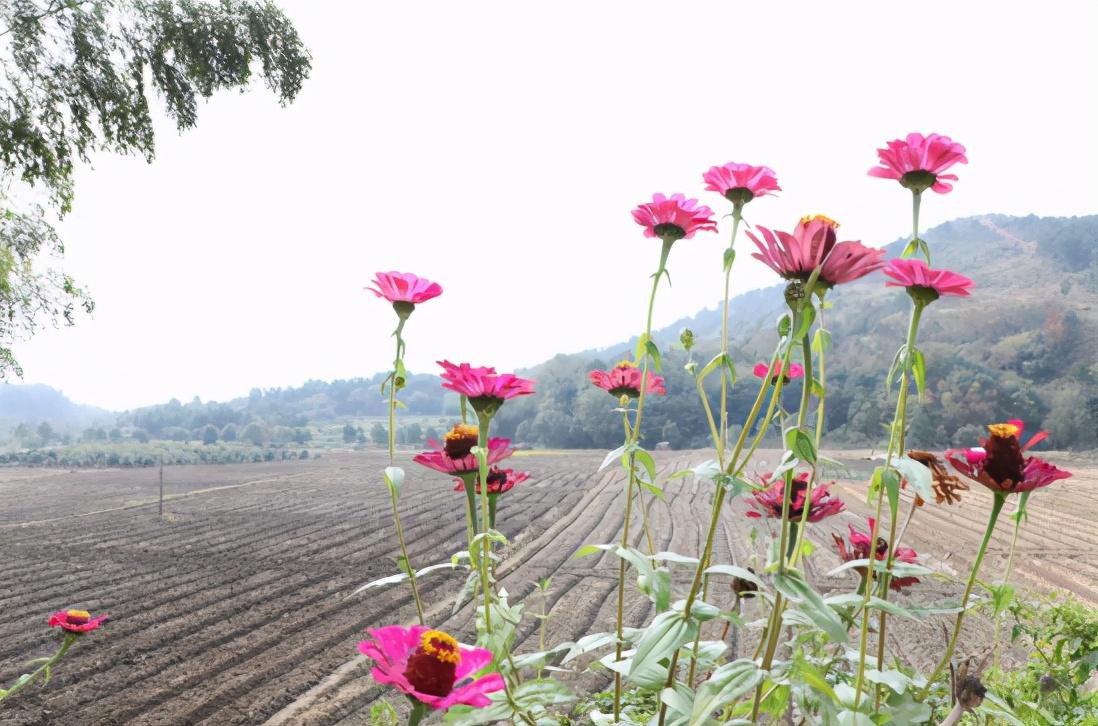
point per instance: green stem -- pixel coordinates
(1019, 511)
(632, 435)
(404, 553)
(483, 420)
(70, 638)
(393, 389)
(737, 211)
(996, 507)
(418, 712)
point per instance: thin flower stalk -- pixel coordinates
(722, 442)
(395, 381)
(483, 421)
(895, 445)
(1018, 515)
(996, 508)
(632, 440)
(44, 669)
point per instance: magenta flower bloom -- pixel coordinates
(859, 550)
(75, 621)
(485, 389)
(499, 481)
(813, 243)
(454, 455)
(430, 666)
(998, 463)
(917, 162)
(740, 183)
(924, 284)
(768, 502)
(674, 218)
(624, 379)
(762, 370)
(404, 290)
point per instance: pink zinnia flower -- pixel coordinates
(404, 290)
(673, 218)
(430, 666)
(762, 370)
(998, 463)
(499, 481)
(485, 389)
(918, 162)
(768, 502)
(624, 379)
(740, 183)
(812, 244)
(454, 455)
(75, 621)
(859, 550)
(924, 284)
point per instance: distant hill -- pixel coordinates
(37, 403)
(1024, 345)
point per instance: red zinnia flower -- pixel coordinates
(404, 287)
(812, 244)
(430, 666)
(673, 219)
(924, 284)
(768, 502)
(485, 389)
(859, 550)
(499, 481)
(76, 621)
(999, 465)
(918, 162)
(762, 370)
(454, 455)
(740, 183)
(624, 379)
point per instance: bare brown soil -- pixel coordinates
(236, 608)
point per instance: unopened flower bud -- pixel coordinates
(794, 293)
(971, 693)
(686, 337)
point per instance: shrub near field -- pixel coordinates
(127, 454)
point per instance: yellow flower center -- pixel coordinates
(461, 431)
(625, 364)
(440, 646)
(79, 614)
(1003, 430)
(820, 218)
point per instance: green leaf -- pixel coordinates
(918, 369)
(724, 686)
(656, 584)
(910, 248)
(1002, 596)
(801, 444)
(668, 632)
(650, 347)
(890, 479)
(647, 462)
(812, 676)
(729, 258)
(821, 340)
(895, 680)
(403, 566)
(612, 456)
(899, 569)
(394, 480)
(792, 585)
(918, 475)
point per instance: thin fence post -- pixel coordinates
(160, 507)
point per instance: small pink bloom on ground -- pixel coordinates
(499, 480)
(768, 502)
(859, 550)
(762, 370)
(454, 455)
(75, 621)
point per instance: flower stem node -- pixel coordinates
(669, 232)
(739, 196)
(686, 338)
(794, 294)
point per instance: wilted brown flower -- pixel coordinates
(946, 485)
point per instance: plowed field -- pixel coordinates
(236, 607)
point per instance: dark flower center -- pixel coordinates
(496, 479)
(739, 195)
(459, 442)
(432, 667)
(918, 181)
(669, 232)
(1004, 461)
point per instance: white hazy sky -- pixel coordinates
(498, 148)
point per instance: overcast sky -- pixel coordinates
(498, 149)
